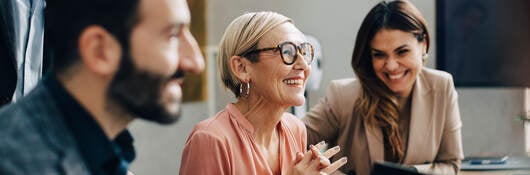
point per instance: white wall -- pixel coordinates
(489, 120)
(159, 147)
(487, 114)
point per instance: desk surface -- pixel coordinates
(516, 165)
(502, 172)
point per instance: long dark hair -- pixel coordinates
(378, 105)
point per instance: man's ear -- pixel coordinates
(99, 50)
(240, 68)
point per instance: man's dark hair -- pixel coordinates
(66, 19)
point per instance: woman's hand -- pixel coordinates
(313, 162)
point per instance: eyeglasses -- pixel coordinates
(289, 52)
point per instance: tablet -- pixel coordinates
(388, 168)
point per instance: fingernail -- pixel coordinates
(336, 148)
(324, 161)
(344, 159)
(312, 147)
(321, 143)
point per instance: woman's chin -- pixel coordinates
(299, 101)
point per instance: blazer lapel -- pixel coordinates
(420, 120)
(374, 138)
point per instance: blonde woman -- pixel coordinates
(264, 60)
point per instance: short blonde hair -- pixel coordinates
(241, 36)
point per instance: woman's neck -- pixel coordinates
(263, 116)
(404, 105)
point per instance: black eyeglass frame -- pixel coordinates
(298, 49)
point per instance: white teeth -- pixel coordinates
(396, 76)
(293, 82)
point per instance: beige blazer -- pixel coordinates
(434, 141)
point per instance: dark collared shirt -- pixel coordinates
(102, 156)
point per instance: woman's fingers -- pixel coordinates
(335, 166)
(315, 151)
(308, 156)
(299, 157)
(313, 160)
(323, 158)
(315, 164)
(324, 161)
(303, 163)
(332, 151)
(320, 145)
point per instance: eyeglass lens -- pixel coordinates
(289, 52)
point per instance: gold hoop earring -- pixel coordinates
(247, 93)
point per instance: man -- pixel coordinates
(21, 47)
(114, 61)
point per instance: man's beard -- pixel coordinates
(139, 93)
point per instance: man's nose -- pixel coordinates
(191, 58)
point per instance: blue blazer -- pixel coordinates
(34, 138)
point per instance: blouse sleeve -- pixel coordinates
(205, 153)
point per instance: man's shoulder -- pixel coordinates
(33, 138)
(38, 98)
(28, 112)
(19, 125)
(20, 115)
(28, 145)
